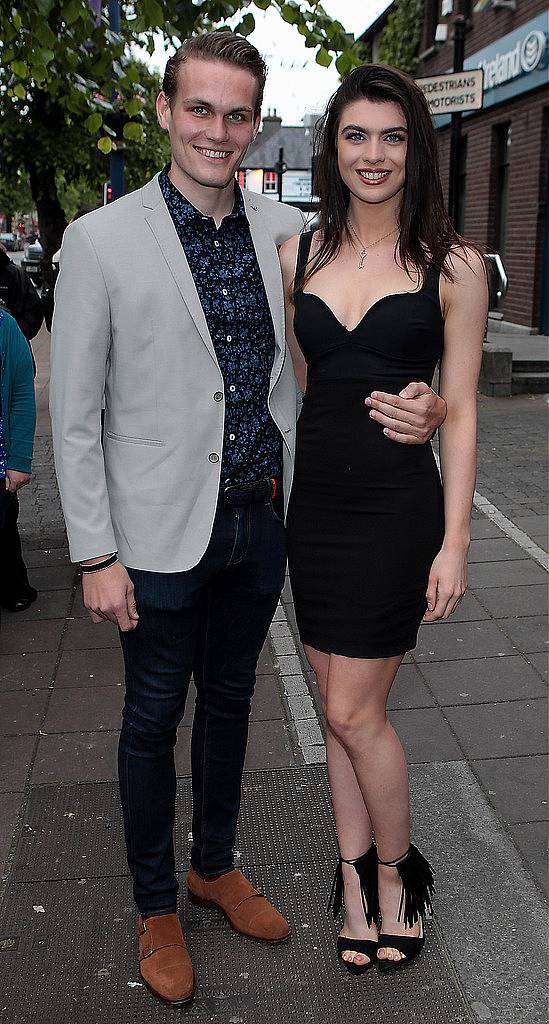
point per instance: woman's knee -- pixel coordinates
(356, 728)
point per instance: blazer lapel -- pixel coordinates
(267, 257)
(163, 229)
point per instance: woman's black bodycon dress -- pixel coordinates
(366, 515)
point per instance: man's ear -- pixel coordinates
(163, 111)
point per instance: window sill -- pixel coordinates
(429, 52)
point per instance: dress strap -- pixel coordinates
(303, 250)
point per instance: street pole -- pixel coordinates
(455, 138)
(117, 156)
(280, 168)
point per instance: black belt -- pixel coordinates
(240, 495)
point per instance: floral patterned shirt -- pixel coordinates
(232, 294)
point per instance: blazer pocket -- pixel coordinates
(133, 440)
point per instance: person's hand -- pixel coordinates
(109, 596)
(447, 583)
(15, 480)
(410, 417)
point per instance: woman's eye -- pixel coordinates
(355, 136)
(395, 137)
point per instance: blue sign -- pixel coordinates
(514, 64)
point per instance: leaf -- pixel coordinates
(133, 131)
(20, 68)
(20, 91)
(93, 123)
(72, 11)
(104, 144)
(39, 73)
(344, 64)
(324, 58)
(16, 21)
(132, 73)
(133, 107)
(246, 26)
(153, 14)
(263, 4)
(42, 56)
(44, 34)
(289, 14)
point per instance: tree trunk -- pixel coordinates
(51, 217)
(9, 221)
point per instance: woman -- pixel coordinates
(377, 296)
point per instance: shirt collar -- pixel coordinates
(186, 213)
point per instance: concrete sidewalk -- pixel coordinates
(469, 706)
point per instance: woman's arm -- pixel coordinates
(288, 256)
(465, 303)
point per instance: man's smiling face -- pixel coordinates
(211, 121)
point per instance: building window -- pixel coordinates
(462, 184)
(270, 181)
(502, 153)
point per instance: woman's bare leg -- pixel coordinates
(354, 827)
(357, 691)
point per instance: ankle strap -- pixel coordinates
(398, 860)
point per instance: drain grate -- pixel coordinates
(74, 957)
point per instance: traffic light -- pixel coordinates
(107, 193)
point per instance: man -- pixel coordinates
(177, 294)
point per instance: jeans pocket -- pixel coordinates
(273, 511)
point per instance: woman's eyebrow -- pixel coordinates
(382, 131)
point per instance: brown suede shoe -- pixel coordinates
(164, 961)
(246, 910)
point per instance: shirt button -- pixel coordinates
(229, 337)
(213, 457)
(231, 437)
(218, 397)
(232, 387)
(224, 291)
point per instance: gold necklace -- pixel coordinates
(363, 250)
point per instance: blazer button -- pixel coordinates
(213, 457)
(218, 397)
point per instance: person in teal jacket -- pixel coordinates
(17, 424)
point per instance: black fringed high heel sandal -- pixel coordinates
(366, 869)
(418, 886)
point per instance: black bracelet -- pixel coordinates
(100, 565)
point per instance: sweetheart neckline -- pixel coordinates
(351, 330)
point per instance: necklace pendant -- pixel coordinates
(363, 254)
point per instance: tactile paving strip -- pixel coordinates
(66, 939)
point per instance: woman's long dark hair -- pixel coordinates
(426, 232)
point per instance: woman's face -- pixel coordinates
(372, 139)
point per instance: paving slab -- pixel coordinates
(494, 550)
(450, 641)
(483, 680)
(409, 690)
(38, 558)
(532, 839)
(83, 634)
(528, 634)
(27, 671)
(30, 637)
(16, 754)
(95, 667)
(425, 736)
(85, 709)
(517, 573)
(500, 730)
(22, 711)
(10, 807)
(54, 577)
(514, 602)
(540, 663)
(517, 786)
(75, 757)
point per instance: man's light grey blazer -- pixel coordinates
(128, 325)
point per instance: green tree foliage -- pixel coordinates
(399, 43)
(15, 197)
(67, 80)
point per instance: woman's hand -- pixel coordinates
(447, 582)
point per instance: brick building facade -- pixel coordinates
(504, 164)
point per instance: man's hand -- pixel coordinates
(15, 480)
(410, 417)
(109, 596)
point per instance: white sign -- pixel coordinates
(453, 93)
